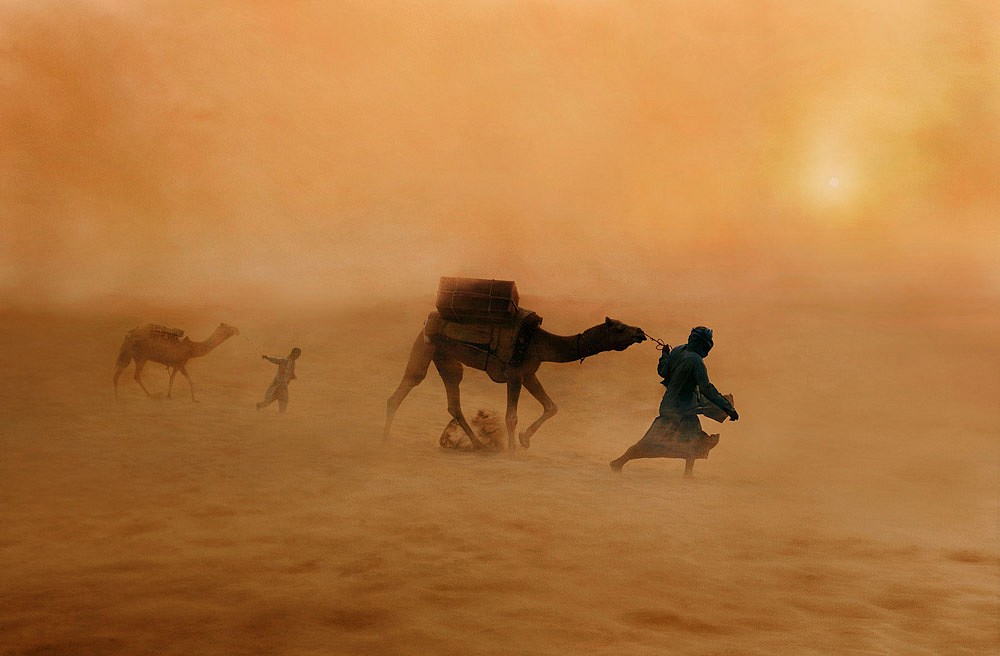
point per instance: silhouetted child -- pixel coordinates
(278, 391)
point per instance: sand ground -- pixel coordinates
(852, 510)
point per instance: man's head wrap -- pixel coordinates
(700, 339)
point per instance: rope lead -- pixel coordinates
(256, 348)
(660, 345)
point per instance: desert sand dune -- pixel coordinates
(852, 510)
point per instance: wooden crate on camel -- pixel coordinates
(477, 301)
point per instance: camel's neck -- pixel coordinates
(567, 348)
(199, 349)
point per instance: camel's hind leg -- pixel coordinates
(139, 364)
(119, 368)
(416, 370)
(124, 359)
(549, 408)
(451, 374)
(170, 387)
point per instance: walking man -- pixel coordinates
(278, 391)
(689, 393)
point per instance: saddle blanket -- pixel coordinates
(504, 343)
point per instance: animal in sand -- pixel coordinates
(450, 358)
(167, 346)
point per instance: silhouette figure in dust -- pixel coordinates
(688, 388)
(278, 390)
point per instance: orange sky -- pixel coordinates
(326, 151)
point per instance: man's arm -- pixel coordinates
(662, 367)
(709, 392)
(274, 360)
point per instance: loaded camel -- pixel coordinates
(156, 343)
(449, 357)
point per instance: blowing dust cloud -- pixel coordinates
(815, 182)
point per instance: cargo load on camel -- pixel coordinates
(172, 334)
(475, 300)
(157, 331)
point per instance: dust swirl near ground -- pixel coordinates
(852, 510)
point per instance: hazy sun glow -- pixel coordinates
(822, 192)
(492, 139)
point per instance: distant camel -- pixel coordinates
(449, 356)
(164, 345)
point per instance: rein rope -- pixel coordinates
(256, 348)
(660, 344)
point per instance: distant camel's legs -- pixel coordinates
(183, 370)
(139, 364)
(513, 394)
(118, 372)
(549, 408)
(416, 371)
(451, 374)
(124, 359)
(170, 387)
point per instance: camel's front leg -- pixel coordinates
(183, 370)
(513, 394)
(549, 408)
(451, 374)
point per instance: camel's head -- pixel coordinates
(228, 330)
(620, 336)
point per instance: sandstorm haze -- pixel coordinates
(817, 181)
(323, 152)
